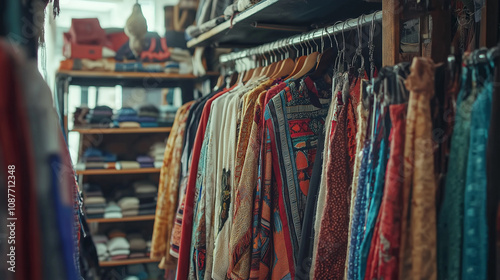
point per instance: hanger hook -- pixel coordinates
(329, 38)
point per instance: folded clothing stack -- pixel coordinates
(146, 161)
(167, 115)
(113, 211)
(148, 248)
(129, 206)
(94, 158)
(181, 62)
(118, 248)
(138, 247)
(100, 242)
(127, 164)
(148, 116)
(146, 192)
(126, 118)
(95, 203)
(156, 152)
(100, 115)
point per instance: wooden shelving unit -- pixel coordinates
(124, 219)
(270, 20)
(117, 172)
(126, 262)
(122, 130)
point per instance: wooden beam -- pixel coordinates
(489, 24)
(390, 31)
(441, 35)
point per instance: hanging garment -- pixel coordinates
(331, 119)
(475, 234)
(418, 236)
(294, 127)
(384, 252)
(241, 233)
(187, 219)
(450, 227)
(376, 199)
(261, 262)
(168, 187)
(360, 144)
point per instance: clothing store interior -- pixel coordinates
(249, 139)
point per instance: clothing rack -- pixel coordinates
(316, 34)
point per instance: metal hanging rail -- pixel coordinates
(316, 34)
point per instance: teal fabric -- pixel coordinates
(375, 202)
(450, 219)
(475, 232)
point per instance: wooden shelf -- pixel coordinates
(124, 219)
(116, 171)
(128, 75)
(122, 130)
(126, 262)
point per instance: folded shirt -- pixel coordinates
(99, 238)
(137, 255)
(137, 244)
(130, 213)
(145, 159)
(127, 111)
(144, 188)
(101, 249)
(113, 211)
(118, 243)
(128, 124)
(91, 165)
(127, 165)
(95, 216)
(95, 211)
(128, 203)
(158, 164)
(119, 257)
(119, 252)
(149, 124)
(96, 206)
(95, 200)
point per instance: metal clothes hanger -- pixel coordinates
(299, 62)
(309, 63)
(286, 67)
(359, 49)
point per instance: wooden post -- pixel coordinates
(390, 31)
(489, 24)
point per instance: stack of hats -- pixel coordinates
(100, 242)
(113, 211)
(148, 116)
(146, 193)
(100, 116)
(118, 246)
(129, 206)
(157, 152)
(138, 247)
(95, 203)
(146, 161)
(126, 118)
